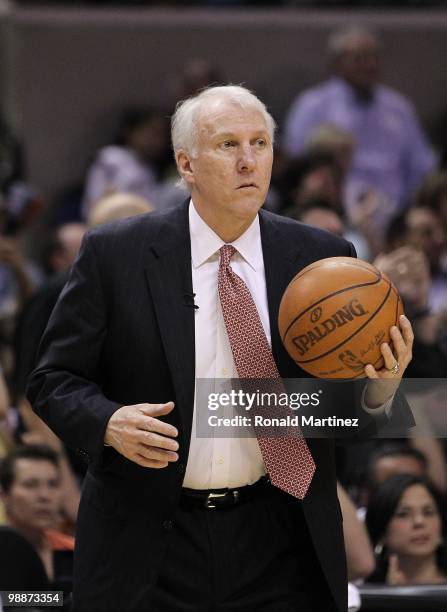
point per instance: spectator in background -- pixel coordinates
(20, 565)
(6, 440)
(394, 458)
(433, 194)
(320, 213)
(134, 163)
(31, 491)
(409, 269)
(35, 318)
(63, 247)
(340, 144)
(313, 175)
(337, 142)
(359, 553)
(197, 74)
(417, 230)
(60, 254)
(417, 456)
(19, 276)
(407, 523)
(17, 284)
(117, 206)
(391, 155)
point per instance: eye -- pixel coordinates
(430, 512)
(30, 484)
(401, 514)
(261, 143)
(227, 144)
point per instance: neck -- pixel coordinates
(36, 537)
(227, 229)
(421, 570)
(363, 93)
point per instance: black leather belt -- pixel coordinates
(217, 499)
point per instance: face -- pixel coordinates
(230, 174)
(150, 139)
(324, 219)
(34, 499)
(321, 182)
(70, 238)
(426, 232)
(360, 62)
(415, 528)
(386, 467)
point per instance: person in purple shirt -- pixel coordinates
(392, 155)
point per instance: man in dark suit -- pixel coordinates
(170, 521)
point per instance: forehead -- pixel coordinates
(24, 468)
(416, 495)
(226, 117)
(421, 216)
(361, 43)
(400, 460)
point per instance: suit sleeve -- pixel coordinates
(395, 417)
(64, 389)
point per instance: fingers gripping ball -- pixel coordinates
(334, 316)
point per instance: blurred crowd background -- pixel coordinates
(353, 155)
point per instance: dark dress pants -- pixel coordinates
(256, 556)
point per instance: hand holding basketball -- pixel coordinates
(397, 360)
(338, 318)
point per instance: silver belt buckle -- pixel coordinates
(209, 504)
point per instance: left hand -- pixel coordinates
(402, 342)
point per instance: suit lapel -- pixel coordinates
(281, 263)
(168, 273)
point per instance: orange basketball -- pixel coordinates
(335, 314)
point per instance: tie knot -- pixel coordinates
(226, 253)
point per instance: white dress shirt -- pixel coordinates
(216, 463)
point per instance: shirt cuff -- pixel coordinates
(380, 410)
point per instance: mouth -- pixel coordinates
(43, 512)
(420, 540)
(248, 186)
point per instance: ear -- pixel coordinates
(184, 166)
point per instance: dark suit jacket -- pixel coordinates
(123, 333)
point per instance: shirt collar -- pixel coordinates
(205, 242)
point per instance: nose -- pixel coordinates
(247, 161)
(44, 493)
(418, 519)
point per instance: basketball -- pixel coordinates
(334, 316)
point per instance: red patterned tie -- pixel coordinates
(288, 460)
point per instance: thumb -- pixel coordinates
(156, 410)
(394, 574)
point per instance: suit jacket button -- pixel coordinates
(167, 525)
(181, 468)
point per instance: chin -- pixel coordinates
(250, 204)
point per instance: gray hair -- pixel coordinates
(340, 40)
(187, 112)
(329, 136)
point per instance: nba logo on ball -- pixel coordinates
(335, 314)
